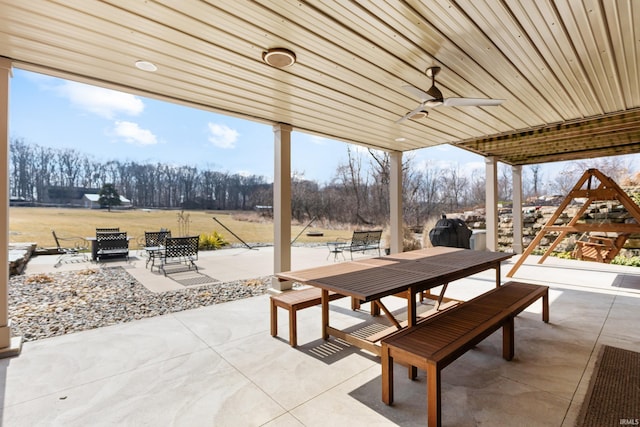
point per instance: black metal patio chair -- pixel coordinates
(70, 247)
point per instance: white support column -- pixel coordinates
(516, 172)
(8, 346)
(491, 203)
(395, 201)
(282, 203)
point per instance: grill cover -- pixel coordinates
(453, 233)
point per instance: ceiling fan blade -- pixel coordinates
(472, 102)
(411, 113)
(418, 93)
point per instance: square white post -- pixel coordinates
(491, 202)
(516, 172)
(8, 346)
(395, 201)
(282, 203)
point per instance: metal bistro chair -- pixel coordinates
(154, 242)
(180, 250)
(73, 247)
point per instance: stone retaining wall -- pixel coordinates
(19, 254)
(536, 217)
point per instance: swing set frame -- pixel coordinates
(601, 247)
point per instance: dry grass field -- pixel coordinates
(34, 225)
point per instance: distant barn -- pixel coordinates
(91, 201)
(79, 197)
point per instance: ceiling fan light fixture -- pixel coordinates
(419, 115)
(279, 57)
(432, 72)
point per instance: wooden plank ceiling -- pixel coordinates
(567, 69)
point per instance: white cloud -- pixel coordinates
(222, 136)
(465, 169)
(133, 134)
(42, 81)
(442, 147)
(106, 103)
(316, 139)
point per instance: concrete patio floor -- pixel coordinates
(219, 365)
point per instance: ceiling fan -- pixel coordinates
(433, 98)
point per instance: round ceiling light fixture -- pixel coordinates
(419, 115)
(146, 66)
(279, 57)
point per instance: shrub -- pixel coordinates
(212, 241)
(409, 241)
(619, 260)
(631, 261)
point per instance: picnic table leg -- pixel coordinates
(411, 308)
(411, 322)
(545, 307)
(387, 376)
(508, 349)
(433, 396)
(497, 274)
(325, 314)
(375, 308)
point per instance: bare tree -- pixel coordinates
(43, 166)
(564, 181)
(350, 177)
(536, 180)
(69, 166)
(505, 188)
(478, 188)
(21, 168)
(454, 185)
(615, 167)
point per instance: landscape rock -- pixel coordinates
(47, 305)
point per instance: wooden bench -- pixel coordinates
(600, 248)
(294, 301)
(362, 241)
(438, 341)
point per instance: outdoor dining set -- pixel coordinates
(428, 340)
(164, 249)
(159, 248)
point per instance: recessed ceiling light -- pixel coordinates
(146, 66)
(400, 139)
(279, 57)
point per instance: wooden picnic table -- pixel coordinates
(369, 280)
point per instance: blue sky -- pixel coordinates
(110, 125)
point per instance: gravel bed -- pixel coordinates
(52, 304)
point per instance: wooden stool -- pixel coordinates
(294, 301)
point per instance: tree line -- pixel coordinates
(358, 193)
(35, 170)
